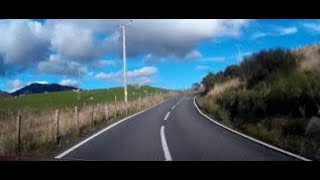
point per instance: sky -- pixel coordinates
(167, 53)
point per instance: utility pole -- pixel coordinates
(124, 61)
(79, 84)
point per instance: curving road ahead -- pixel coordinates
(173, 130)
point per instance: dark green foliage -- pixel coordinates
(297, 95)
(296, 127)
(266, 64)
(208, 82)
(274, 87)
(196, 86)
(232, 71)
(276, 104)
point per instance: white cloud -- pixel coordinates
(104, 63)
(25, 43)
(287, 31)
(193, 55)
(22, 41)
(214, 59)
(203, 68)
(276, 31)
(91, 73)
(22, 44)
(138, 76)
(145, 71)
(314, 27)
(141, 81)
(73, 42)
(160, 37)
(165, 38)
(57, 66)
(69, 82)
(15, 85)
(38, 82)
(258, 35)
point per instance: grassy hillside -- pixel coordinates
(70, 98)
(273, 95)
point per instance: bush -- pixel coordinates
(294, 94)
(208, 82)
(264, 64)
(248, 105)
(232, 71)
(294, 127)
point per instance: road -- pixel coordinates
(173, 130)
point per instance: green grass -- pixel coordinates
(39, 102)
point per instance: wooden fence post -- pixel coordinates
(125, 105)
(18, 128)
(115, 106)
(106, 111)
(92, 116)
(57, 125)
(77, 118)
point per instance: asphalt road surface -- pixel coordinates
(173, 130)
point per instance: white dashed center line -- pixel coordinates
(167, 115)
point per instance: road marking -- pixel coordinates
(248, 137)
(103, 130)
(167, 115)
(173, 107)
(164, 144)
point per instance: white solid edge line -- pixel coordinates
(248, 137)
(103, 130)
(167, 115)
(164, 144)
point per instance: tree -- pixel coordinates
(196, 86)
(208, 82)
(232, 71)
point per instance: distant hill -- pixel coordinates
(4, 94)
(41, 88)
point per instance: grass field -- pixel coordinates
(39, 102)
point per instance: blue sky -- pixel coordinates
(163, 53)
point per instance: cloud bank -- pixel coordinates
(62, 47)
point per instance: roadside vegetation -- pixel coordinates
(272, 95)
(78, 118)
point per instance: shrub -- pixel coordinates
(260, 66)
(294, 127)
(208, 82)
(295, 93)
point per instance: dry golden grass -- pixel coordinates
(223, 87)
(38, 128)
(310, 57)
